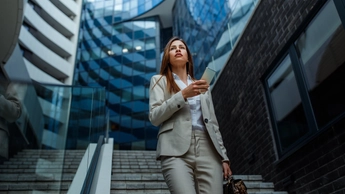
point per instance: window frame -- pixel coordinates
(290, 50)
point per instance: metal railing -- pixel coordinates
(92, 169)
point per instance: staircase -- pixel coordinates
(136, 172)
(139, 172)
(39, 171)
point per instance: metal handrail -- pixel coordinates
(92, 169)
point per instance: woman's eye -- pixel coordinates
(172, 49)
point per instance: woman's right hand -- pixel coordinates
(195, 88)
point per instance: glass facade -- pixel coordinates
(113, 11)
(211, 29)
(121, 55)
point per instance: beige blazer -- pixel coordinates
(171, 112)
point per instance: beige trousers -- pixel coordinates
(199, 171)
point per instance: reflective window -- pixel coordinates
(139, 93)
(114, 97)
(114, 84)
(286, 104)
(321, 47)
(202, 24)
(115, 71)
(85, 55)
(150, 44)
(305, 91)
(94, 64)
(122, 57)
(126, 93)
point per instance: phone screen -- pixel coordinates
(208, 75)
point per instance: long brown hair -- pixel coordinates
(166, 66)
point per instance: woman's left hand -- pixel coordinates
(226, 170)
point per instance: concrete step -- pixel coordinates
(39, 171)
(33, 192)
(137, 172)
(39, 166)
(43, 187)
(157, 191)
(145, 177)
(23, 161)
(46, 177)
(140, 172)
(139, 185)
(125, 191)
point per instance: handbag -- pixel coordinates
(234, 186)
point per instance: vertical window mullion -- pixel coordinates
(302, 87)
(272, 116)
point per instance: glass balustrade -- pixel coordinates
(241, 11)
(45, 131)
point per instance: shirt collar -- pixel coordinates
(176, 77)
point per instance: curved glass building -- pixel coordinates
(119, 49)
(211, 28)
(120, 44)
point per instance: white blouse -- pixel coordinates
(194, 105)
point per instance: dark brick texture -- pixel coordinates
(242, 112)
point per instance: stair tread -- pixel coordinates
(133, 171)
(45, 171)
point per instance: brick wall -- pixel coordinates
(242, 111)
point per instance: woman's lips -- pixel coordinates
(178, 55)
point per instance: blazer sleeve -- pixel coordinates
(218, 134)
(10, 105)
(162, 109)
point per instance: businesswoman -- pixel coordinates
(190, 146)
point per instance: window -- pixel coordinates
(322, 59)
(305, 90)
(289, 115)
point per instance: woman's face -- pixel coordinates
(178, 53)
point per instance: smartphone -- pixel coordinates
(208, 75)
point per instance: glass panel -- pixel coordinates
(114, 97)
(106, 40)
(139, 93)
(115, 71)
(138, 45)
(49, 134)
(95, 53)
(117, 29)
(85, 55)
(116, 48)
(286, 104)
(322, 48)
(126, 93)
(150, 43)
(125, 64)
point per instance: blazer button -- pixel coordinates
(178, 106)
(206, 120)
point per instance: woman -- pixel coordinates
(190, 145)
